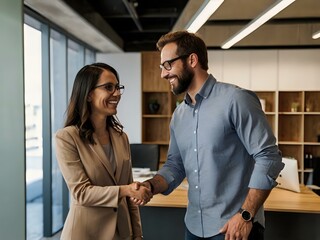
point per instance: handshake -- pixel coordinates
(140, 193)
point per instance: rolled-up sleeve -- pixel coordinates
(267, 170)
(256, 135)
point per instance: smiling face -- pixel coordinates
(103, 102)
(181, 74)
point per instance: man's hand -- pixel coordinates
(159, 185)
(141, 193)
(236, 228)
(138, 186)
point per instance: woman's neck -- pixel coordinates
(101, 129)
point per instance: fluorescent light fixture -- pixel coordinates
(257, 22)
(203, 14)
(316, 35)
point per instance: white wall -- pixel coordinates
(128, 66)
(259, 70)
(267, 70)
(299, 69)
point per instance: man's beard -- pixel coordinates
(184, 81)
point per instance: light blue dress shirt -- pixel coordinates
(223, 145)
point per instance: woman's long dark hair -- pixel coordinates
(79, 109)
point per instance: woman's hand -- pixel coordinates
(139, 185)
(140, 193)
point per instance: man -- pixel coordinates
(220, 140)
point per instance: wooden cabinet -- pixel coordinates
(294, 116)
(155, 124)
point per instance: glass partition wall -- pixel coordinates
(33, 126)
(58, 90)
(51, 61)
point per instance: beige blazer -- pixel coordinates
(96, 210)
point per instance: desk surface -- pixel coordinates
(280, 200)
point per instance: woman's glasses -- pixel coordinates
(111, 88)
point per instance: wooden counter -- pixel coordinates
(289, 215)
(280, 200)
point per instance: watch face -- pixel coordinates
(246, 215)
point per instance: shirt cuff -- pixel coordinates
(261, 180)
(169, 179)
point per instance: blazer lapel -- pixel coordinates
(98, 150)
(118, 151)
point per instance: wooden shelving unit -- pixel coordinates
(295, 119)
(269, 99)
(294, 116)
(299, 127)
(155, 126)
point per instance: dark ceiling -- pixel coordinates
(138, 23)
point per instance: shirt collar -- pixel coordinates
(204, 91)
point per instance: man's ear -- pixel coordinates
(193, 59)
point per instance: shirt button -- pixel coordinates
(196, 170)
(196, 111)
(194, 131)
(195, 149)
(196, 187)
(199, 211)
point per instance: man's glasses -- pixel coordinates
(167, 64)
(111, 88)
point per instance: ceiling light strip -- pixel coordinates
(316, 35)
(257, 22)
(203, 14)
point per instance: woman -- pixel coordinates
(94, 157)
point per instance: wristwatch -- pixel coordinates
(246, 215)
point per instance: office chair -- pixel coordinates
(145, 156)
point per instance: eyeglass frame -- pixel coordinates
(117, 87)
(162, 65)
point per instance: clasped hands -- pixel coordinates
(141, 193)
